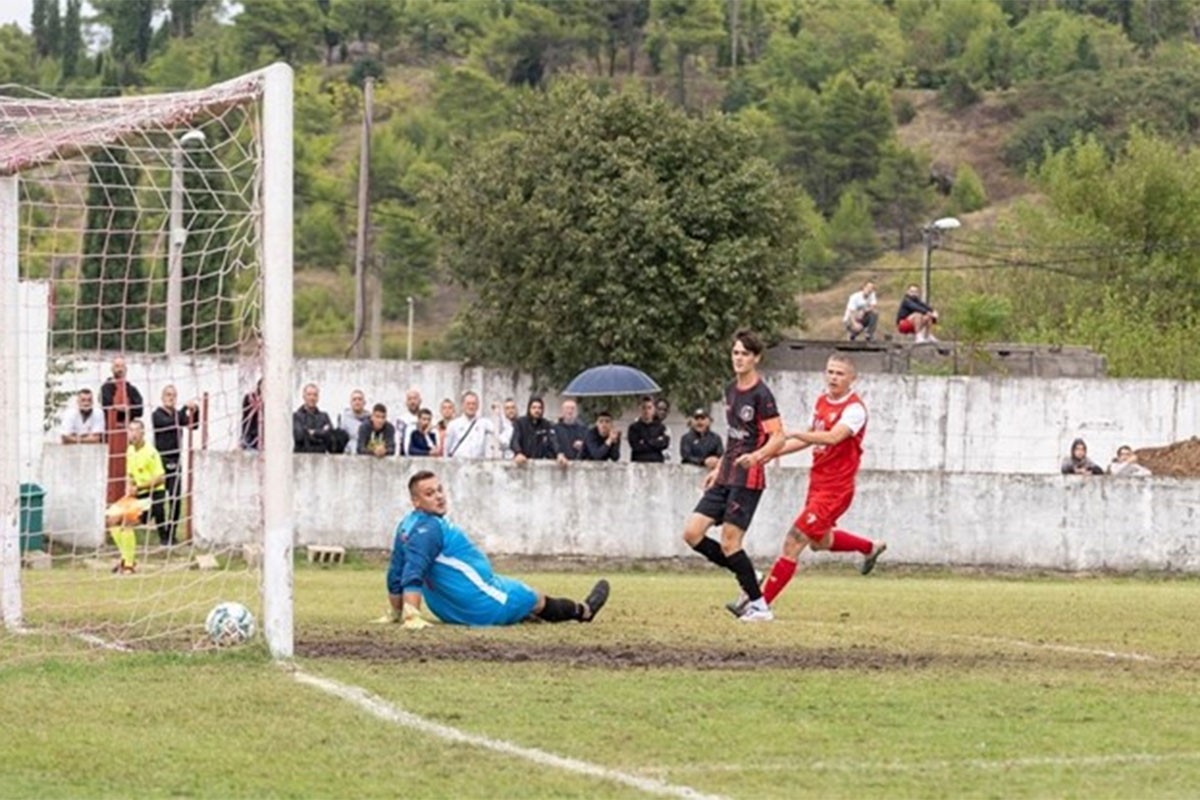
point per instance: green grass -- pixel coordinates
(905, 684)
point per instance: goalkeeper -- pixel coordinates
(433, 562)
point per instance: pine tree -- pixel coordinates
(72, 40)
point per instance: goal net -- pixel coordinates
(145, 276)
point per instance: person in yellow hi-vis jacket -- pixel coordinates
(145, 490)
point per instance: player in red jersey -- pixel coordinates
(732, 489)
(838, 425)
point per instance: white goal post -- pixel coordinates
(157, 228)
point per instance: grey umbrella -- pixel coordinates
(610, 380)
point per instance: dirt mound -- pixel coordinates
(1178, 460)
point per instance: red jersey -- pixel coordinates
(746, 412)
(835, 465)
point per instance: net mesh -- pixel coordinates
(141, 281)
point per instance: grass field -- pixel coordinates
(903, 684)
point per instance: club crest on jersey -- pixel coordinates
(746, 413)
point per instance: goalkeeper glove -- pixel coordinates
(392, 615)
(413, 621)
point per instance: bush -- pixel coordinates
(968, 193)
(1045, 131)
(904, 110)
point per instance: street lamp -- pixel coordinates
(176, 239)
(931, 235)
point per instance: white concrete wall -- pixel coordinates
(950, 424)
(33, 320)
(637, 510)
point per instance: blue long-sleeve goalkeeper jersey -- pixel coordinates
(456, 581)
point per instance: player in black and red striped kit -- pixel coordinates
(732, 490)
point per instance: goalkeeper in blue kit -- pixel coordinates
(436, 565)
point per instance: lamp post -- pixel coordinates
(176, 239)
(931, 235)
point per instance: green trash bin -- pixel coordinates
(31, 517)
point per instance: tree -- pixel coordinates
(689, 27)
(619, 229)
(270, 29)
(968, 193)
(207, 312)
(851, 229)
(900, 192)
(72, 40)
(112, 293)
(183, 16)
(131, 22)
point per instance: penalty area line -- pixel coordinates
(387, 712)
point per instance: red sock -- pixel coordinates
(781, 572)
(845, 540)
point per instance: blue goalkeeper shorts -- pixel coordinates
(501, 601)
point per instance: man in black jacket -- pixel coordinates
(169, 422)
(570, 433)
(603, 441)
(312, 430)
(648, 437)
(533, 435)
(700, 446)
(916, 316)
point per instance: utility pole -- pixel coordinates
(931, 236)
(376, 286)
(408, 350)
(364, 216)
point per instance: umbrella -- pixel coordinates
(609, 380)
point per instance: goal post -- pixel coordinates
(154, 231)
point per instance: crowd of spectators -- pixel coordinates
(462, 431)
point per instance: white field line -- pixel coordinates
(1033, 762)
(1058, 648)
(389, 713)
(1115, 655)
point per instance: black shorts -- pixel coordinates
(732, 504)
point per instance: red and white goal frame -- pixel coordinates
(49, 224)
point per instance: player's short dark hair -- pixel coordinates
(423, 475)
(603, 415)
(85, 390)
(379, 407)
(750, 340)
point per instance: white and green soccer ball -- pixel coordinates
(230, 623)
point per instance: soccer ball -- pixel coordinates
(230, 623)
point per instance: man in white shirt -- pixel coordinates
(468, 435)
(407, 421)
(83, 424)
(861, 314)
(352, 418)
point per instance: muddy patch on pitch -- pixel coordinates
(617, 656)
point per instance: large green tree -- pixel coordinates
(620, 229)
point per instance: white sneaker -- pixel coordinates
(931, 338)
(757, 615)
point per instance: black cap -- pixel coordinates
(700, 412)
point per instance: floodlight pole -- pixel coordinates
(931, 236)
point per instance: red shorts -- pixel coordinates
(821, 512)
(906, 326)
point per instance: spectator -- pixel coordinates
(122, 403)
(378, 437)
(1125, 464)
(861, 314)
(570, 433)
(83, 424)
(447, 412)
(648, 439)
(406, 423)
(352, 418)
(505, 418)
(915, 316)
(470, 435)
(422, 440)
(603, 441)
(1079, 463)
(169, 422)
(533, 436)
(252, 422)
(700, 446)
(312, 431)
(662, 407)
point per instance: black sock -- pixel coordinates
(560, 609)
(743, 567)
(711, 549)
